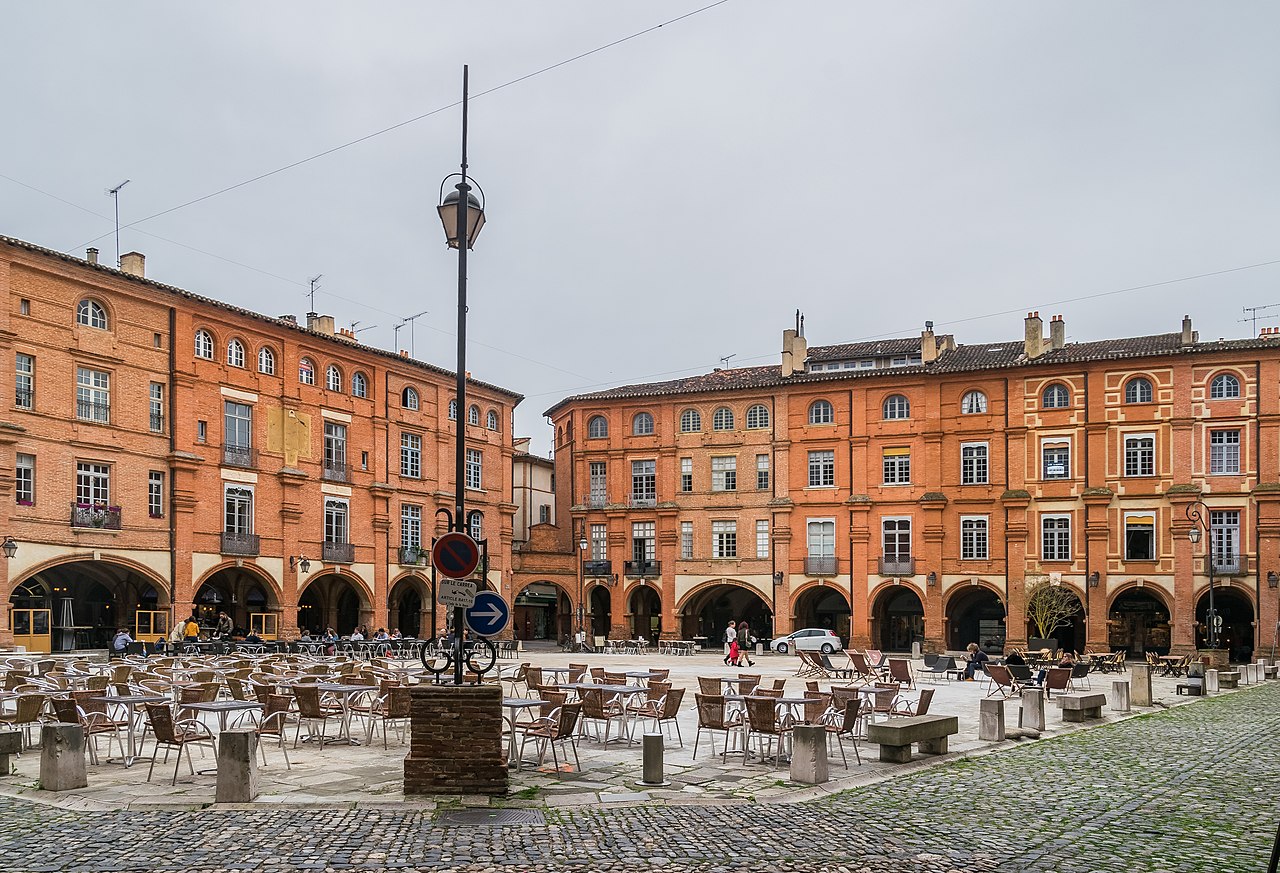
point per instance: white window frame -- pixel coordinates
(410, 455)
(1224, 538)
(235, 354)
(203, 344)
(597, 428)
(306, 371)
(822, 468)
(898, 555)
(1135, 388)
(337, 520)
(155, 493)
(93, 484)
(333, 378)
(974, 403)
(599, 542)
(686, 540)
(1144, 459)
(895, 469)
(475, 469)
(820, 537)
(491, 421)
(475, 525)
(757, 417)
(975, 465)
(822, 412)
(642, 424)
(896, 407)
(1055, 538)
(722, 419)
(686, 475)
(598, 482)
(1048, 444)
(645, 532)
(245, 499)
(762, 538)
(359, 384)
(724, 473)
(762, 473)
(724, 538)
(690, 421)
(93, 395)
(409, 398)
(24, 479)
(975, 538)
(24, 380)
(91, 313)
(1218, 387)
(473, 415)
(1155, 537)
(644, 479)
(266, 361)
(237, 425)
(155, 406)
(410, 526)
(1224, 455)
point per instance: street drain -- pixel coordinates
(491, 817)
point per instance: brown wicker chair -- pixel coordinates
(710, 686)
(27, 713)
(595, 707)
(94, 724)
(274, 720)
(763, 722)
(664, 710)
(181, 735)
(714, 716)
(559, 727)
(846, 724)
(312, 709)
(747, 683)
(392, 706)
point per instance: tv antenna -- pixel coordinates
(725, 360)
(313, 282)
(1251, 315)
(409, 321)
(355, 332)
(114, 194)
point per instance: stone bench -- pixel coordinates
(1191, 686)
(1228, 678)
(896, 735)
(10, 744)
(1080, 706)
(1270, 672)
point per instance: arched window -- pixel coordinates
(821, 412)
(91, 313)
(1138, 390)
(690, 421)
(642, 424)
(1224, 386)
(475, 523)
(333, 378)
(359, 385)
(1056, 397)
(473, 415)
(266, 361)
(597, 427)
(973, 403)
(235, 353)
(306, 372)
(896, 406)
(758, 417)
(491, 420)
(204, 344)
(453, 409)
(409, 400)
(722, 419)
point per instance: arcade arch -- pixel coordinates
(333, 601)
(239, 592)
(975, 614)
(543, 611)
(1235, 633)
(898, 618)
(822, 606)
(708, 609)
(410, 607)
(644, 608)
(1138, 621)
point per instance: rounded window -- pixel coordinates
(821, 412)
(690, 421)
(306, 372)
(896, 406)
(409, 399)
(91, 313)
(359, 385)
(758, 417)
(1224, 387)
(723, 419)
(333, 378)
(473, 415)
(597, 427)
(973, 403)
(235, 353)
(491, 420)
(453, 409)
(266, 361)
(1138, 390)
(642, 424)
(1056, 397)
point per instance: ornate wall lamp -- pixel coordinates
(301, 561)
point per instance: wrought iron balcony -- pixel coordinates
(593, 569)
(240, 456)
(338, 553)
(239, 543)
(1228, 565)
(898, 566)
(642, 569)
(95, 515)
(596, 501)
(637, 501)
(414, 556)
(335, 471)
(820, 566)
(88, 411)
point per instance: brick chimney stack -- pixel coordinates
(1188, 335)
(1057, 332)
(928, 344)
(134, 263)
(1033, 344)
(91, 255)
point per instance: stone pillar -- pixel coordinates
(62, 757)
(1120, 695)
(809, 754)
(10, 744)
(1032, 709)
(455, 744)
(237, 767)
(991, 720)
(1140, 684)
(1210, 681)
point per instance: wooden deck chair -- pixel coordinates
(1057, 679)
(845, 724)
(1002, 681)
(900, 671)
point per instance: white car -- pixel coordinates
(811, 639)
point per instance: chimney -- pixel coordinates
(928, 344)
(788, 365)
(134, 263)
(1033, 344)
(91, 254)
(292, 319)
(404, 353)
(320, 323)
(1057, 332)
(1188, 335)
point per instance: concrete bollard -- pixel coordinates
(991, 720)
(809, 754)
(1140, 684)
(62, 757)
(651, 771)
(1032, 715)
(10, 744)
(1120, 695)
(1210, 681)
(237, 767)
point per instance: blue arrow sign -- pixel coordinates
(488, 615)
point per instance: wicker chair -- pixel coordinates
(714, 716)
(312, 709)
(710, 686)
(919, 706)
(664, 710)
(559, 727)
(392, 706)
(274, 720)
(763, 722)
(747, 682)
(26, 714)
(596, 708)
(846, 724)
(181, 735)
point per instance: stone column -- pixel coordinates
(1140, 684)
(1032, 709)
(1120, 695)
(991, 720)
(809, 754)
(237, 767)
(62, 757)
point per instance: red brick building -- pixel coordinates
(165, 453)
(913, 490)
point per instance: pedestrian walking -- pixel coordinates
(744, 645)
(730, 643)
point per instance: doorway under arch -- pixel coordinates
(645, 608)
(543, 611)
(1069, 630)
(1235, 632)
(237, 592)
(601, 611)
(899, 617)
(823, 607)
(708, 611)
(86, 602)
(405, 607)
(1138, 621)
(976, 616)
(331, 601)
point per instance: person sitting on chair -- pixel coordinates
(120, 642)
(1067, 660)
(977, 661)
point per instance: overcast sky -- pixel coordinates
(672, 199)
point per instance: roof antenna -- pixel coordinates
(797, 322)
(114, 194)
(725, 359)
(313, 282)
(396, 332)
(801, 331)
(355, 332)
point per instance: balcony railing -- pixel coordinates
(413, 556)
(897, 566)
(240, 456)
(24, 399)
(338, 553)
(88, 411)
(820, 566)
(239, 543)
(642, 569)
(1228, 565)
(592, 569)
(94, 515)
(335, 471)
(639, 501)
(596, 501)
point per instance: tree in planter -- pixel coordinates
(1050, 607)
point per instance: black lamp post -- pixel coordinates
(582, 583)
(1196, 512)
(462, 216)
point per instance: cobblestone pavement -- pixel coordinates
(1191, 789)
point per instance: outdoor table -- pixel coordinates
(640, 674)
(1170, 664)
(626, 691)
(513, 705)
(131, 702)
(346, 692)
(223, 708)
(556, 671)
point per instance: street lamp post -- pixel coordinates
(462, 216)
(1196, 512)
(582, 602)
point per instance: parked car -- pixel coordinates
(811, 639)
